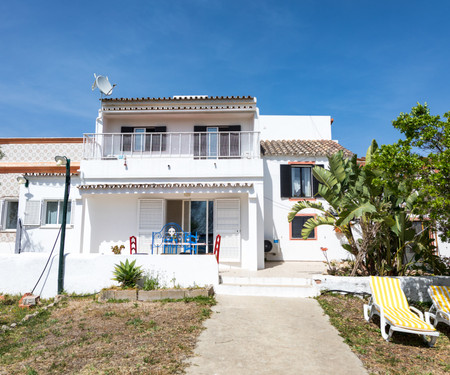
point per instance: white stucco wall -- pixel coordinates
(276, 225)
(443, 248)
(40, 238)
(112, 123)
(91, 273)
(170, 169)
(294, 127)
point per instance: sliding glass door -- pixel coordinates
(201, 222)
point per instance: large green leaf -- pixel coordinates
(303, 205)
(337, 166)
(314, 222)
(357, 211)
(325, 177)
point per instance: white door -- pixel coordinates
(150, 219)
(227, 222)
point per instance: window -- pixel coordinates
(212, 142)
(297, 226)
(10, 209)
(143, 139)
(217, 141)
(139, 139)
(297, 181)
(54, 212)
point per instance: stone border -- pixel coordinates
(58, 298)
(415, 287)
(154, 295)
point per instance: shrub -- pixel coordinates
(151, 282)
(127, 274)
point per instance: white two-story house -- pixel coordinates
(213, 165)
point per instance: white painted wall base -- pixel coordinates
(89, 273)
(415, 288)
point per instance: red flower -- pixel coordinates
(324, 248)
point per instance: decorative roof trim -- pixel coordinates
(165, 186)
(49, 174)
(213, 108)
(179, 98)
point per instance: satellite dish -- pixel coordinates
(103, 85)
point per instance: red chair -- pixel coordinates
(133, 245)
(217, 247)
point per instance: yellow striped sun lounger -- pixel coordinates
(389, 302)
(440, 311)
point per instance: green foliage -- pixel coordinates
(151, 282)
(420, 162)
(389, 245)
(127, 274)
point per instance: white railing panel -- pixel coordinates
(199, 145)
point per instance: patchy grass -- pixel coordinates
(406, 354)
(10, 312)
(83, 336)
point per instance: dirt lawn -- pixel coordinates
(88, 337)
(407, 354)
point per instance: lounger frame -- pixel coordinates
(372, 308)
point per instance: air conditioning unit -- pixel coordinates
(272, 247)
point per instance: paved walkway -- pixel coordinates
(268, 335)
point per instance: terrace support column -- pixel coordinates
(253, 250)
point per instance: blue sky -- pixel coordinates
(360, 62)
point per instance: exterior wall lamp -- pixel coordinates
(61, 161)
(23, 181)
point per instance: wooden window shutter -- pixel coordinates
(32, 215)
(199, 141)
(126, 139)
(285, 181)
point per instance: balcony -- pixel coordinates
(194, 145)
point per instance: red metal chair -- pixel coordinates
(217, 247)
(133, 245)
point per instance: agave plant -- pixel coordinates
(127, 274)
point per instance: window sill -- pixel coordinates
(8, 230)
(301, 239)
(302, 199)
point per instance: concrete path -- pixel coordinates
(268, 335)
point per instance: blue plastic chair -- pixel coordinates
(190, 241)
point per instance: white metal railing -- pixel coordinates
(197, 145)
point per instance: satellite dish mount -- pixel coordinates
(103, 85)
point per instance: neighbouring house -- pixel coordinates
(28, 157)
(213, 165)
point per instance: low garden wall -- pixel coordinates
(415, 287)
(89, 273)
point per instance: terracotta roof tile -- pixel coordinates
(300, 147)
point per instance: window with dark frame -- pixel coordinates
(207, 141)
(297, 225)
(11, 210)
(142, 139)
(297, 181)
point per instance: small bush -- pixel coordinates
(127, 274)
(151, 282)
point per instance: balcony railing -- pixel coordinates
(197, 145)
